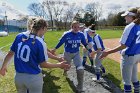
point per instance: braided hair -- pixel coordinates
(30, 22)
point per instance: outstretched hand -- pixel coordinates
(64, 65)
(3, 71)
(53, 51)
(60, 59)
(104, 54)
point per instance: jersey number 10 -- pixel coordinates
(21, 51)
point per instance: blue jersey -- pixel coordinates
(28, 56)
(89, 38)
(131, 38)
(98, 43)
(72, 41)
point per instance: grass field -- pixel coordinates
(55, 82)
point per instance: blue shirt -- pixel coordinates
(131, 38)
(28, 56)
(87, 36)
(72, 41)
(98, 43)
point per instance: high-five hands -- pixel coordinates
(104, 54)
(53, 51)
(64, 65)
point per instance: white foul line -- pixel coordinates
(5, 46)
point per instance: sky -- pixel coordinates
(21, 4)
(107, 5)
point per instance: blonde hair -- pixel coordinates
(73, 23)
(30, 22)
(37, 24)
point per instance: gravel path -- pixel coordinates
(90, 86)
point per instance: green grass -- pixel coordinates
(6, 41)
(113, 70)
(55, 82)
(108, 34)
(7, 82)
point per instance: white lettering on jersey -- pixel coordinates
(138, 38)
(20, 55)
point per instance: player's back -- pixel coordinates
(29, 53)
(131, 38)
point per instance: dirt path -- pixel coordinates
(111, 43)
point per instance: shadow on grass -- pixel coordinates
(49, 86)
(71, 84)
(110, 82)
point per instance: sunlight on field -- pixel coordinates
(54, 77)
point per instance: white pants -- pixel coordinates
(129, 68)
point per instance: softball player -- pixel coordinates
(29, 55)
(90, 44)
(72, 39)
(30, 23)
(29, 28)
(99, 48)
(130, 46)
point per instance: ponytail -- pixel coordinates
(36, 25)
(137, 20)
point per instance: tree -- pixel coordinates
(60, 13)
(58, 9)
(88, 19)
(37, 9)
(115, 19)
(69, 13)
(95, 9)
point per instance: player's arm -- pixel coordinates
(8, 57)
(50, 55)
(123, 42)
(43, 57)
(61, 65)
(6, 61)
(99, 50)
(98, 44)
(61, 41)
(48, 50)
(118, 48)
(83, 41)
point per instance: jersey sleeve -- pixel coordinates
(97, 41)
(83, 41)
(127, 36)
(85, 33)
(13, 46)
(89, 38)
(42, 55)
